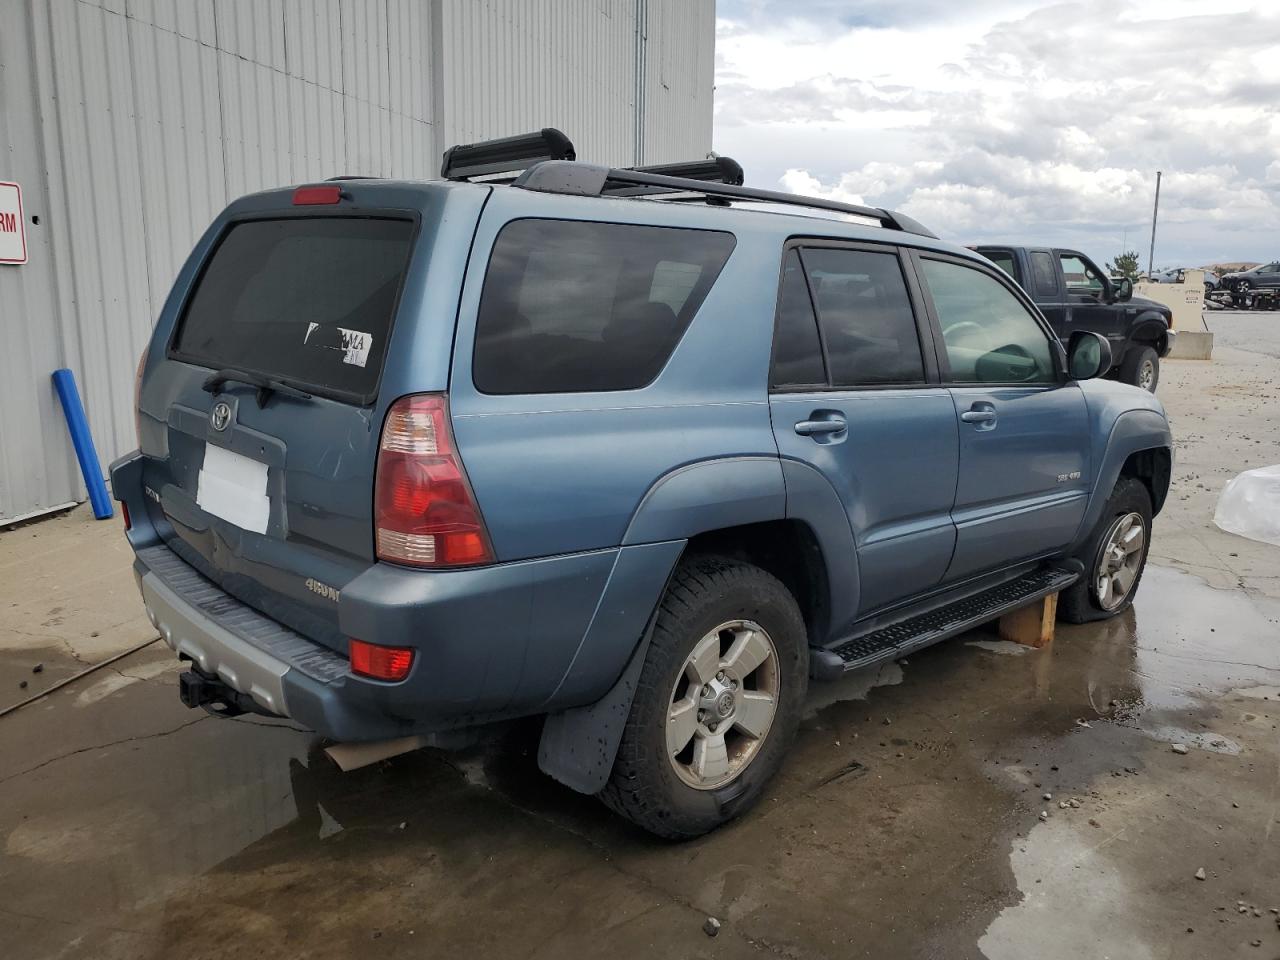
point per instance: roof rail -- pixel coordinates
(586, 179)
(505, 155)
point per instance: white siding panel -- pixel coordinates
(132, 123)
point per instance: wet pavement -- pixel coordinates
(906, 822)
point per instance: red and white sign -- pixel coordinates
(13, 229)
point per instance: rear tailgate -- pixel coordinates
(269, 493)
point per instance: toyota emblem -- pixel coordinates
(220, 415)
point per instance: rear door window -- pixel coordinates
(865, 315)
(573, 306)
(1045, 276)
(308, 300)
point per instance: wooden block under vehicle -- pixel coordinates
(1031, 625)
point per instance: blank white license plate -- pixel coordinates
(234, 487)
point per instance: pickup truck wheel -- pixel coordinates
(717, 702)
(1141, 367)
(1114, 557)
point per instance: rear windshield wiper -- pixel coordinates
(266, 385)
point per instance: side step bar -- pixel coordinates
(899, 639)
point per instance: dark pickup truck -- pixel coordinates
(1074, 294)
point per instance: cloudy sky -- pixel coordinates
(1021, 121)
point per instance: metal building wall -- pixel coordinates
(630, 81)
(131, 123)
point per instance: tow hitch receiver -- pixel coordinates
(197, 689)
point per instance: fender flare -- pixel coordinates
(1146, 328)
(1133, 432)
(579, 744)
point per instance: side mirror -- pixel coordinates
(1088, 355)
(1122, 290)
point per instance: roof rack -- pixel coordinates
(713, 170)
(584, 179)
(506, 155)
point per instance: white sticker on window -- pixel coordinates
(355, 346)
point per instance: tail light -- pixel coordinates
(424, 512)
(379, 662)
(124, 513)
(137, 394)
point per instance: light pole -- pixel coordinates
(1151, 257)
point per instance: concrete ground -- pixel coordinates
(980, 800)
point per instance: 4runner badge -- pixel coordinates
(323, 589)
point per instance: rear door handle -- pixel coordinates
(826, 426)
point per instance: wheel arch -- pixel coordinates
(737, 507)
(1148, 330)
(1139, 442)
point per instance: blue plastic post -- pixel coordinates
(64, 382)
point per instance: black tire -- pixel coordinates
(1079, 603)
(1136, 359)
(704, 592)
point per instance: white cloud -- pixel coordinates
(1035, 123)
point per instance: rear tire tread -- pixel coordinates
(636, 790)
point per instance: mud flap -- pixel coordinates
(578, 746)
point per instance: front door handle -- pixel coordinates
(981, 413)
(825, 426)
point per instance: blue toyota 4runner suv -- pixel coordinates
(641, 451)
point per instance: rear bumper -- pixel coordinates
(491, 643)
(283, 672)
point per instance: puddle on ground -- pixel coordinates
(1086, 875)
(131, 804)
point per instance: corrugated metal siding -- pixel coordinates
(131, 123)
(679, 79)
(36, 465)
(518, 65)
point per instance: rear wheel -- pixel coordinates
(1240, 292)
(1114, 557)
(1141, 367)
(717, 703)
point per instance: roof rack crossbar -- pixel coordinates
(505, 155)
(712, 170)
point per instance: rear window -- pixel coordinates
(571, 306)
(305, 299)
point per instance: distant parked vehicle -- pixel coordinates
(1178, 275)
(1264, 276)
(1075, 295)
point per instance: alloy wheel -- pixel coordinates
(722, 704)
(1119, 561)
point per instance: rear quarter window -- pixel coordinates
(303, 299)
(573, 306)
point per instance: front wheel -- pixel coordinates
(717, 703)
(1114, 557)
(1141, 367)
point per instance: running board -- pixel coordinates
(924, 629)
